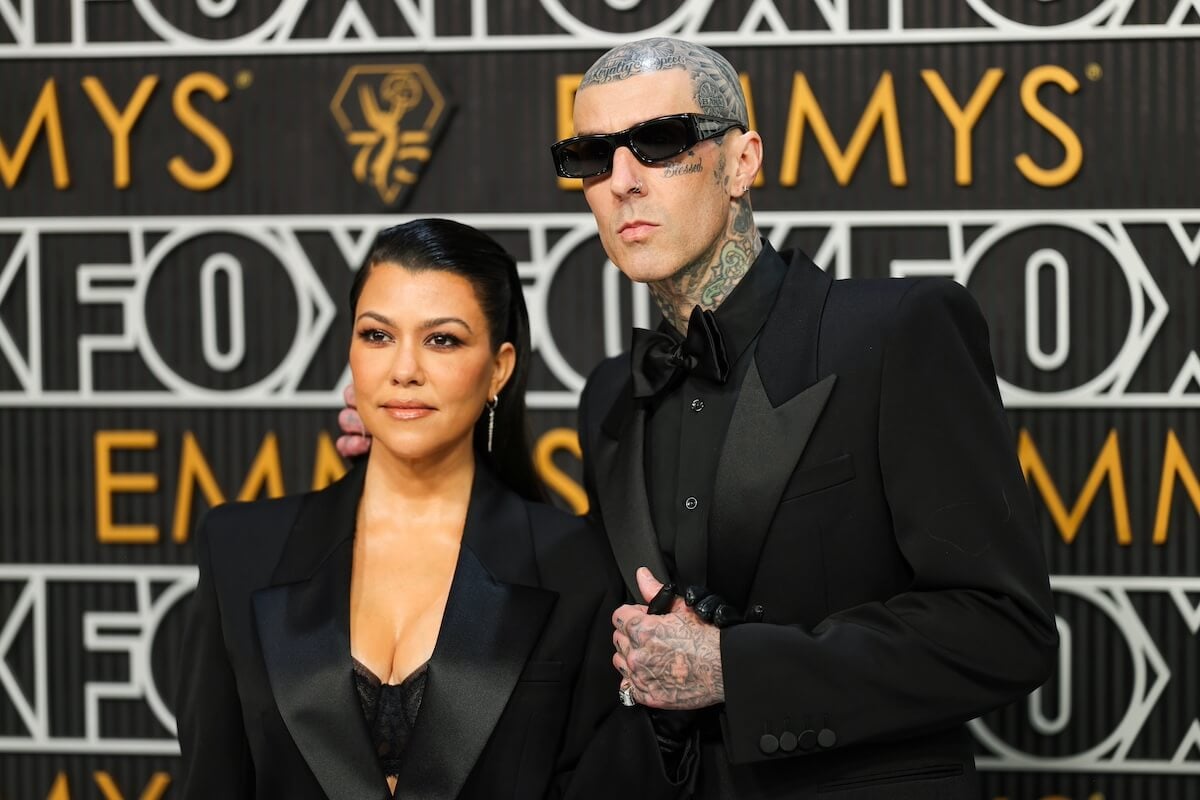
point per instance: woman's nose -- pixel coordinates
(406, 366)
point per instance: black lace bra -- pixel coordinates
(390, 710)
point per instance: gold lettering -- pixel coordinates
(881, 109)
(43, 117)
(1108, 464)
(327, 465)
(60, 789)
(759, 179)
(204, 130)
(1175, 464)
(963, 120)
(120, 123)
(109, 483)
(193, 470)
(1073, 156)
(564, 94)
(265, 471)
(154, 790)
(558, 481)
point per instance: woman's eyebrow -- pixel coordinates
(439, 321)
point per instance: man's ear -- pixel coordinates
(504, 364)
(748, 155)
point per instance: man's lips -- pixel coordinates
(635, 230)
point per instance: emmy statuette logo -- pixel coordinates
(390, 116)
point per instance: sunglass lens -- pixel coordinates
(662, 138)
(585, 158)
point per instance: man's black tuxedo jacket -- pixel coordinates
(520, 678)
(868, 496)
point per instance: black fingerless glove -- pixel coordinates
(712, 607)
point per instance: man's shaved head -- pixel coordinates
(715, 83)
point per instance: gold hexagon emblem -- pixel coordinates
(390, 116)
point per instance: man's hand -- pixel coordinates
(354, 440)
(674, 660)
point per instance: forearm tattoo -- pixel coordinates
(674, 663)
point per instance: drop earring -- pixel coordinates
(491, 407)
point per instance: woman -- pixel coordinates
(423, 627)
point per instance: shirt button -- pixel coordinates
(697, 405)
(691, 503)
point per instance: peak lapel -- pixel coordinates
(493, 619)
(778, 406)
(763, 446)
(620, 470)
(304, 629)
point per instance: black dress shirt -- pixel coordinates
(685, 427)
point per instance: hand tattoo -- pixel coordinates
(674, 661)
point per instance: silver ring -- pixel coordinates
(637, 188)
(625, 695)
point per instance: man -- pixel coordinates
(826, 464)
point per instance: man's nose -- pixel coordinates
(627, 172)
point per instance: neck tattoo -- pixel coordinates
(708, 280)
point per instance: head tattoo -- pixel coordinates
(715, 84)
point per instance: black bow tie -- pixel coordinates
(661, 361)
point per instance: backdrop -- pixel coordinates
(188, 186)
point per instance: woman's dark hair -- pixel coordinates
(448, 246)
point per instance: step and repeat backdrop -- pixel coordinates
(189, 185)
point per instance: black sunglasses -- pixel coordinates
(651, 141)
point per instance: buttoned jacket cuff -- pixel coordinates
(757, 722)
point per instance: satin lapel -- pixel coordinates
(489, 628)
(778, 406)
(762, 447)
(304, 629)
(620, 470)
(787, 349)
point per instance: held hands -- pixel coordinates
(354, 440)
(673, 660)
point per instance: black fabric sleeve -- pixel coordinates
(216, 755)
(609, 750)
(975, 627)
(621, 756)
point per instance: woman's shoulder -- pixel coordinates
(249, 533)
(268, 515)
(242, 517)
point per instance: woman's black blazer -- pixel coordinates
(519, 681)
